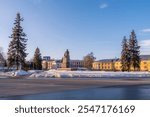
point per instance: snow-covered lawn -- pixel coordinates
(14, 73)
(76, 74)
(88, 74)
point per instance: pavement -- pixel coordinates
(27, 86)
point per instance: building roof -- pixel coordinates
(108, 60)
(59, 61)
(145, 57)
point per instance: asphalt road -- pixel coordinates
(26, 86)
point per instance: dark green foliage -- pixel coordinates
(134, 51)
(88, 60)
(17, 46)
(130, 55)
(125, 56)
(5, 64)
(37, 60)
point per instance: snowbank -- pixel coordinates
(35, 71)
(75, 74)
(20, 73)
(14, 74)
(89, 74)
(5, 74)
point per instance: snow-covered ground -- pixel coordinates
(76, 74)
(88, 74)
(14, 73)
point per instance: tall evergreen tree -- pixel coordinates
(17, 46)
(37, 60)
(125, 55)
(134, 51)
(88, 60)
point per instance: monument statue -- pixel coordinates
(66, 60)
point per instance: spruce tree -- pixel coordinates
(17, 46)
(134, 51)
(37, 60)
(125, 55)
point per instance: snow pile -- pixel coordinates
(20, 73)
(5, 74)
(74, 74)
(35, 71)
(89, 74)
(44, 74)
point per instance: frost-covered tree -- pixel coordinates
(88, 60)
(125, 55)
(17, 46)
(134, 51)
(37, 60)
(2, 58)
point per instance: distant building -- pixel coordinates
(115, 64)
(44, 64)
(55, 64)
(105, 64)
(76, 63)
(118, 65)
(51, 64)
(46, 58)
(64, 64)
(46, 61)
(145, 63)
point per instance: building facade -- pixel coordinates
(55, 64)
(64, 64)
(46, 58)
(76, 64)
(105, 64)
(51, 64)
(115, 64)
(145, 63)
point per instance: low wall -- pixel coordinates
(67, 69)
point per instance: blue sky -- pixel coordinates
(82, 26)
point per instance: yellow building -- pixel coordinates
(105, 64)
(115, 64)
(145, 63)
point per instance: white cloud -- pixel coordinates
(103, 6)
(146, 30)
(145, 46)
(145, 43)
